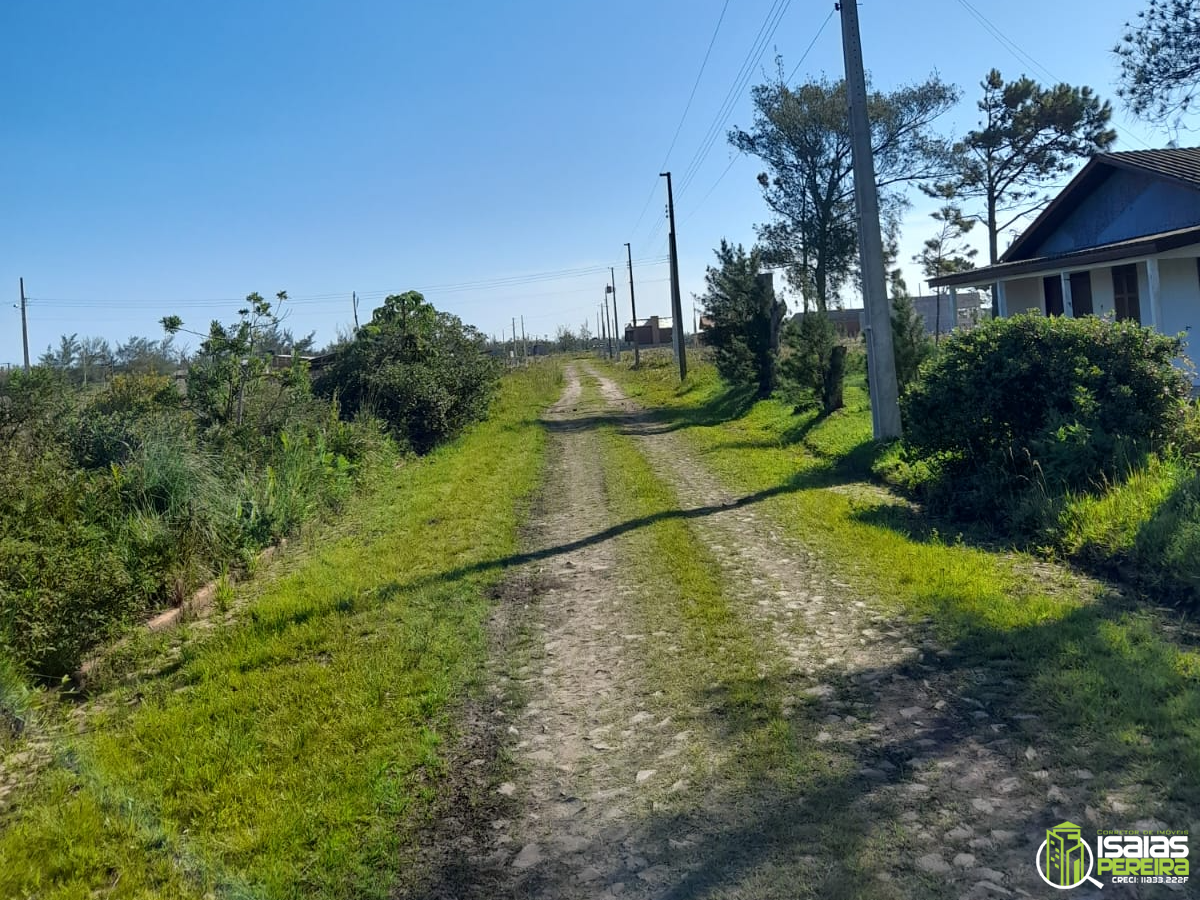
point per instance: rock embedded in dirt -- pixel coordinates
(931, 862)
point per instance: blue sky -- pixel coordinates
(172, 157)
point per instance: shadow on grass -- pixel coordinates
(814, 807)
(731, 403)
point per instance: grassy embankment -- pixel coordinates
(1117, 692)
(295, 751)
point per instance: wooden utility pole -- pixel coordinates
(881, 360)
(637, 359)
(676, 304)
(24, 327)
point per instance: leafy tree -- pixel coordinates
(424, 372)
(1030, 136)
(947, 253)
(93, 352)
(144, 356)
(745, 318)
(815, 360)
(1160, 59)
(565, 339)
(802, 134)
(230, 360)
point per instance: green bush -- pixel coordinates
(1023, 409)
(814, 363)
(63, 579)
(421, 371)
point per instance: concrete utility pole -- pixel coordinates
(524, 346)
(676, 304)
(637, 360)
(881, 359)
(354, 302)
(612, 275)
(24, 327)
(607, 323)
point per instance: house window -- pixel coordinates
(1052, 291)
(1125, 293)
(1081, 293)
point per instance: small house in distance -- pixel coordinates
(1122, 239)
(651, 333)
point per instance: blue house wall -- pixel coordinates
(1127, 205)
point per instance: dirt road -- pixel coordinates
(619, 781)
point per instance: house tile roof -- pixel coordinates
(1178, 163)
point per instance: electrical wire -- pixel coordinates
(766, 32)
(740, 154)
(1026, 58)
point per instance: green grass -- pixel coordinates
(1115, 692)
(296, 752)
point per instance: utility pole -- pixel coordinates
(524, 346)
(354, 301)
(512, 352)
(612, 275)
(607, 324)
(24, 327)
(637, 360)
(881, 359)
(676, 305)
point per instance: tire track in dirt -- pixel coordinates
(593, 747)
(944, 788)
(941, 750)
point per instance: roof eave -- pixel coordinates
(1151, 244)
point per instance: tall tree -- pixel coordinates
(1030, 136)
(947, 253)
(745, 318)
(1160, 59)
(802, 134)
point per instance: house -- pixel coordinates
(848, 323)
(1122, 239)
(649, 334)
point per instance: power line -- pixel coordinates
(692, 95)
(682, 118)
(493, 284)
(1026, 58)
(765, 33)
(811, 44)
(739, 154)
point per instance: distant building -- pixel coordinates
(968, 305)
(847, 322)
(650, 333)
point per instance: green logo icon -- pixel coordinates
(1065, 859)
